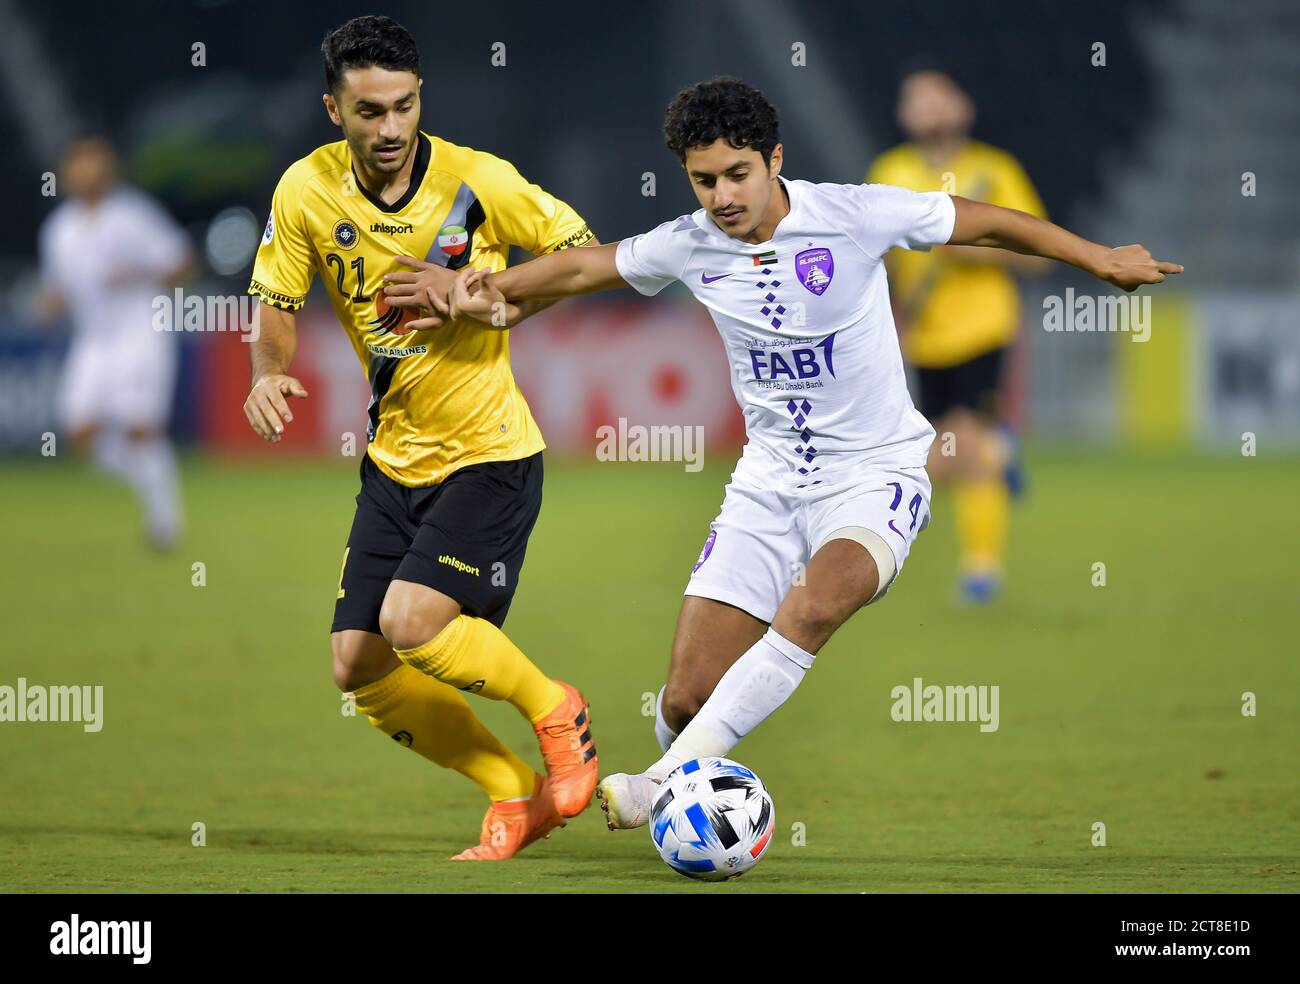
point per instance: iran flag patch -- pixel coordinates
(453, 240)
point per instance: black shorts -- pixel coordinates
(972, 385)
(464, 537)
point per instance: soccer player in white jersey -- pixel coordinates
(105, 253)
(831, 488)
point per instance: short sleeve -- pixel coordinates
(523, 214)
(892, 216)
(283, 268)
(653, 260)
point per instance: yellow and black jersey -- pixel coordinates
(956, 310)
(440, 399)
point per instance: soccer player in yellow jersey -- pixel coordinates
(451, 484)
(959, 310)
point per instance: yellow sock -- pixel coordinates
(473, 654)
(982, 512)
(435, 720)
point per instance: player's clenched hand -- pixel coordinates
(475, 295)
(266, 408)
(1129, 267)
(411, 288)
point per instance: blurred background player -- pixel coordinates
(106, 252)
(958, 308)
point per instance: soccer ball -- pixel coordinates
(713, 819)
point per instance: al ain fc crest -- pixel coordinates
(815, 267)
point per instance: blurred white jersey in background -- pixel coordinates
(108, 261)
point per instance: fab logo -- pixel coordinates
(794, 363)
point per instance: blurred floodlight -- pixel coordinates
(231, 240)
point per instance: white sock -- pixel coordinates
(665, 735)
(113, 454)
(154, 467)
(759, 682)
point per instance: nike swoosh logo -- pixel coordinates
(706, 279)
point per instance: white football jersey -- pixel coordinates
(807, 325)
(109, 261)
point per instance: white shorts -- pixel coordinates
(764, 535)
(119, 382)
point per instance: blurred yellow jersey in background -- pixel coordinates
(955, 311)
(444, 398)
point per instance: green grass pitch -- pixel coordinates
(1119, 704)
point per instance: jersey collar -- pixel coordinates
(418, 169)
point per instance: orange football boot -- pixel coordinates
(569, 752)
(510, 827)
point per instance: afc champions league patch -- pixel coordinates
(453, 240)
(269, 232)
(815, 268)
(345, 234)
(708, 549)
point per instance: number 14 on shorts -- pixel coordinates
(914, 507)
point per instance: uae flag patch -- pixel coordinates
(765, 259)
(453, 240)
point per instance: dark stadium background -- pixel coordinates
(582, 117)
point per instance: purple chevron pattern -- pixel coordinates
(800, 411)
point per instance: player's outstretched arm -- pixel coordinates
(503, 299)
(564, 274)
(1127, 267)
(271, 352)
(431, 286)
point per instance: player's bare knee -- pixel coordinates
(816, 616)
(408, 619)
(681, 703)
(344, 673)
(142, 435)
(359, 658)
(83, 437)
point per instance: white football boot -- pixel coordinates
(626, 799)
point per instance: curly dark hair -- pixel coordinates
(366, 41)
(723, 107)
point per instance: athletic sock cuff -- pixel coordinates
(433, 657)
(788, 649)
(384, 692)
